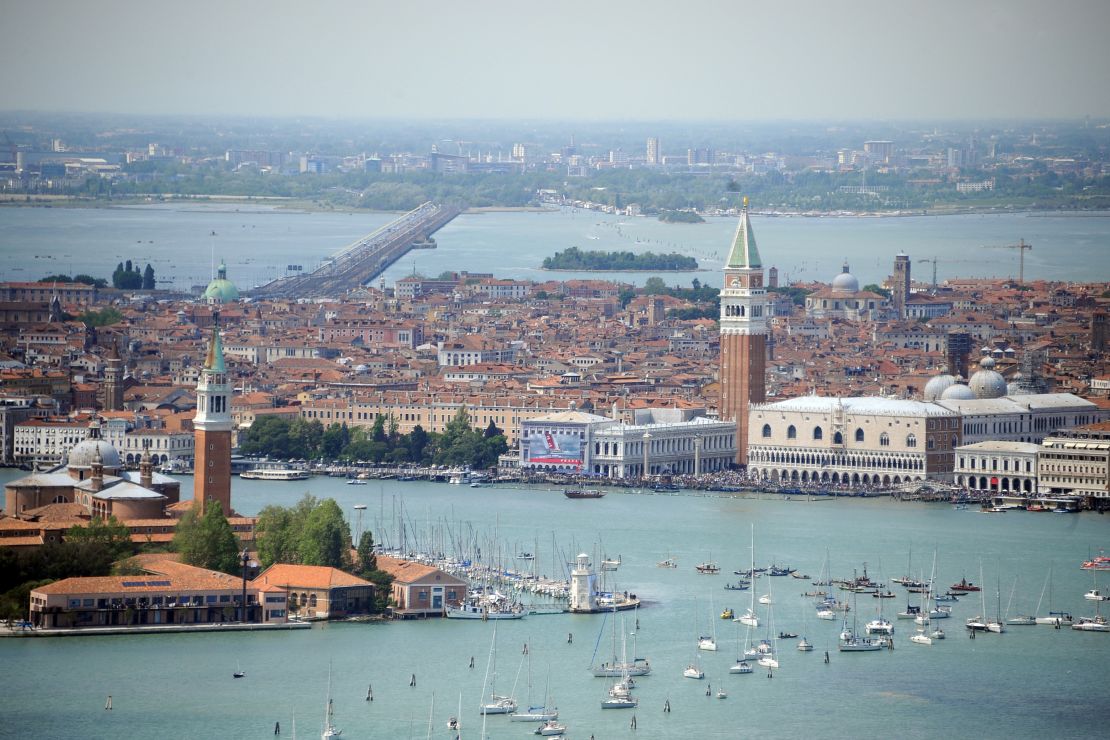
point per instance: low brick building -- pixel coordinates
(319, 592)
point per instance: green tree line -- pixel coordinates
(575, 259)
(458, 444)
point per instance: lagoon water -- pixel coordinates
(183, 242)
(1031, 682)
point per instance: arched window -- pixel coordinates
(838, 438)
(818, 433)
(884, 440)
(859, 435)
(791, 432)
(911, 441)
(312, 601)
(766, 431)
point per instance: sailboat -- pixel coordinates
(880, 625)
(496, 703)
(1097, 623)
(770, 658)
(540, 713)
(995, 625)
(749, 617)
(741, 665)
(1018, 619)
(239, 672)
(1056, 619)
(694, 669)
(850, 642)
(615, 667)
(709, 642)
(920, 637)
(620, 695)
(330, 729)
(804, 645)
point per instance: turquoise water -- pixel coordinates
(259, 242)
(1029, 682)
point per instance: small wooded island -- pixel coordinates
(681, 217)
(575, 259)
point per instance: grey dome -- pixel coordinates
(938, 385)
(83, 454)
(845, 282)
(987, 382)
(957, 392)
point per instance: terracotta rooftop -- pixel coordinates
(307, 576)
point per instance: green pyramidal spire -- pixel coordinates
(744, 252)
(214, 362)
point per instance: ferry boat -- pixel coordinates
(274, 474)
(583, 493)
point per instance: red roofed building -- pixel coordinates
(420, 590)
(319, 592)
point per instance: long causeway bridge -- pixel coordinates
(363, 260)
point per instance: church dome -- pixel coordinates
(845, 282)
(221, 290)
(987, 382)
(938, 385)
(86, 452)
(957, 392)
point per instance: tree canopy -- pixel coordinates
(312, 532)
(207, 540)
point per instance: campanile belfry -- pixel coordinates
(212, 429)
(743, 333)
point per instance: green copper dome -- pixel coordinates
(221, 290)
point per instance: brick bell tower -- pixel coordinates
(212, 429)
(743, 333)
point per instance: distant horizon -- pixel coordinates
(702, 60)
(292, 117)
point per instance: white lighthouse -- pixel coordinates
(583, 594)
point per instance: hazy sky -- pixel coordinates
(608, 59)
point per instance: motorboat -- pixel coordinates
(707, 643)
(356, 482)
(710, 569)
(550, 728)
(727, 614)
(1100, 562)
(583, 493)
(667, 563)
(738, 586)
(1021, 620)
(693, 671)
(827, 614)
(765, 599)
(937, 634)
(1095, 595)
(879, 626)
(787, 635)
(964, 586)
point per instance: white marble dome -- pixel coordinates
(845, 282)
(938, 385)
(987, 382)
(957, 392)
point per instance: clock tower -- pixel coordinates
(212, 429)
(743, 333)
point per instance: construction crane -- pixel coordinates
(1021, 246)
(934, 261)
